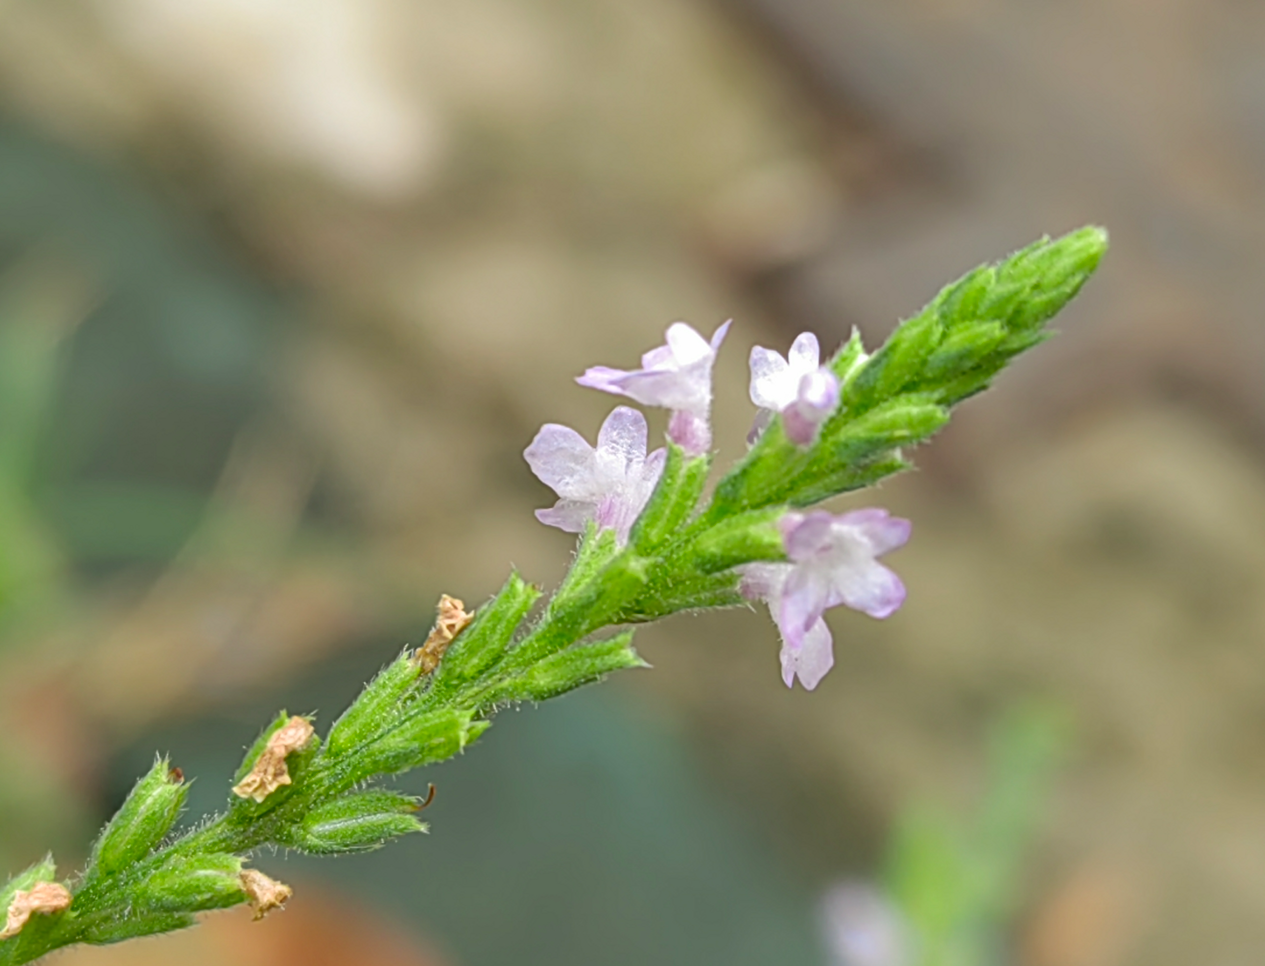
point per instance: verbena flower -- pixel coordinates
(797, 386)
(833, 561)
(609, 484)
(676, 376)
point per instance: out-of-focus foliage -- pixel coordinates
(958, 881)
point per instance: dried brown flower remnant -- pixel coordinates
(45, 897)
(270, 772)
(452, 620)
(264, 894)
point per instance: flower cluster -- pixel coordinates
(829, 560)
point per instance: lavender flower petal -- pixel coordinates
(811, 660)
(872, 589)
(805, 354)
(562, 460)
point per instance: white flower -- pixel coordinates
(676, 376)
(833, 561)
(798, 387)
(609, 484)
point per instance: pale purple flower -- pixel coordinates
(798, 387)
(862, 927)
(609, 484)
(833, 561)
(676, 376)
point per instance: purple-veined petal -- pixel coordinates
(667, 389)
(602, 377)
(719, 335)
(676, 376)
(608, 485)
(660, 357)
(816, 399)
(818, 393)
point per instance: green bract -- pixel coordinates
(140, 824)
(682, 553)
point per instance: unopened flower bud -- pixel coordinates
(419, 741)
(381, 699)
(148, 813)
(569, 669)
(195, 884)
(358, 823)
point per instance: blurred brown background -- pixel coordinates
(287, 287)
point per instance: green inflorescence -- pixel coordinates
(679, 556)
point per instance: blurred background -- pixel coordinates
(286, 288)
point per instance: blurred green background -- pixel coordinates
(285, 289)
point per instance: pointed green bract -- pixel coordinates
(569, 669)
(142, 821)
(740, 539)
(673, 501)
(417, 741)
(357, 823)
(195, 884)
(378, 704)
(899, 396)
(896, 365)
(594, 605)
(136, 927)
(683, 592)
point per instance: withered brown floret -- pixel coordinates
(43, 897)
(263, 893)
(452, 620)
(270, 772)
